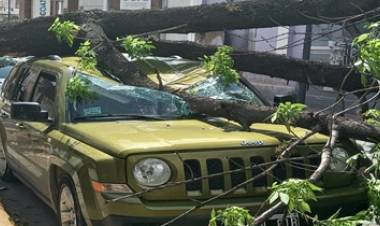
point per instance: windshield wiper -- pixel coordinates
(118, 116)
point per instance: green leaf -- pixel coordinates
(273, 197)
(64, 31)
(372, 117)
(284, 198)
(368, 45)
(136, 47)
(87, 56)
(79, 90)
(294, 193)
(221, 64)
(232, 216)
(287, 113)
(305, 207)
(315, 187)
(362, 37)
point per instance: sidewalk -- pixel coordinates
(4, 217)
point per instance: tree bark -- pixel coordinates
(31, 37)
(238, 15)
(309, 72)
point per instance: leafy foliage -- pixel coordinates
(373, 212)
(78, 89)
(136, 47)
(287, 113)
(64, 31)
(372, 117)
(356, 220)
(374, 195)
(294, 193)
(232, 216)
(222, 64)
(373, 156)
(87, 56)
(369, 53)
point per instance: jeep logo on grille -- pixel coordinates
(251, 142)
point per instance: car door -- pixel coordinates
(37, 149)
(18, 87)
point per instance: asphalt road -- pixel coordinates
(24, 207)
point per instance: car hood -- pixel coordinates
(121, 138)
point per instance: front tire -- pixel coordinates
(69, 213)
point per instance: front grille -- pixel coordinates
(194, 168)
(191, 165)
(237, 177)
(261, 181)
(215, 166)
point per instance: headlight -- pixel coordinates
(339, 159)
(152, 172)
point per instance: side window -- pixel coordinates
(25, 86)
(11, 85)
(45, 93)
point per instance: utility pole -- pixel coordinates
(301, 87)
(9, 10)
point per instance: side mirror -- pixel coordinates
(28, 111)
(282, 99)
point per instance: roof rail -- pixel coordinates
(54, 57)
(50, 57)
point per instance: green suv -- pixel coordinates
(91, 152)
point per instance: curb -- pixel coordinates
(4, 217)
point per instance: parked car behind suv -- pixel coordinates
(86, 151)
(6, 65)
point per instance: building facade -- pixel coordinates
(9, 10)
(37, 8)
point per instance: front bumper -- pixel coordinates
(134, 212)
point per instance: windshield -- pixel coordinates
(108, 99)
(215, 87)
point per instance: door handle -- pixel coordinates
(20, 125)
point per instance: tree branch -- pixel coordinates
(309, 72)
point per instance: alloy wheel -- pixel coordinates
(67, 208)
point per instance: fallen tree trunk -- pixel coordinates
(309, 72)
(238, 15)
(31, 37)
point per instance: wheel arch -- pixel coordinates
(56, 171)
